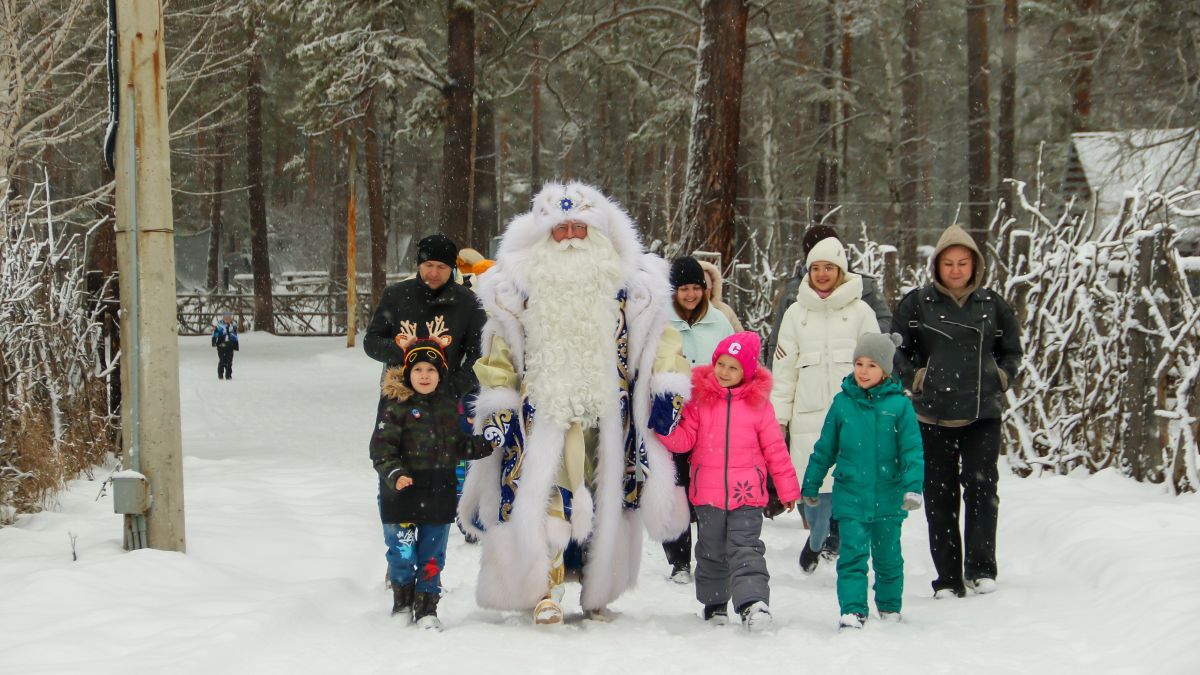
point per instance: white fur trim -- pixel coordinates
(671, 383)
(481, 494)
(512, 549)
(582, 516)
(558, 533)
(492, 400)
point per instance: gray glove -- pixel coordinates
(912, 501)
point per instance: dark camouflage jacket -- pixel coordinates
(419, 436)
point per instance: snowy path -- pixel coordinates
(284, 568)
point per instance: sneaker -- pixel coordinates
(943, 593)
(982, 585)
(756, 617)
(717, 615)
(889, 617)
(809, 558)
(681, 573)
(851, 621)
(547, 613)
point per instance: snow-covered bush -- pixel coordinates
(1112, 343)
(54, 420)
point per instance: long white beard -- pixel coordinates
(570, 326)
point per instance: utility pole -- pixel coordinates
(146, 260)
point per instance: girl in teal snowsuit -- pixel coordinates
(871, 434)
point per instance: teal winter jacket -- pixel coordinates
(873, 439)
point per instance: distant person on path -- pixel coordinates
(702, 328)
(713, 291)
(961, 351)
(580, 363)
(870, 291)
(871, 436)
(816, 343)
(225, 339)
(733, 442)
(431, 305)
(415, 448)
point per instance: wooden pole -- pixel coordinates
(351, 249)
(146, 259)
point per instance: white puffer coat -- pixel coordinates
(815, 351)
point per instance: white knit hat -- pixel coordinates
(828, 250)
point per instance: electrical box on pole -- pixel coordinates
(146, 260)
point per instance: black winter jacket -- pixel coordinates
(461, 316)
(420, 436)
(957, 361)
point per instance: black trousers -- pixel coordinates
(966, 457)
(224, 362)
(679, 551)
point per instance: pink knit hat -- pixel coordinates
(744, 347)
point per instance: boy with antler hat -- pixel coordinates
(415, 448)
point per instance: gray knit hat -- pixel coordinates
(880, 348)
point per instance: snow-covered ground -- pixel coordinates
(284, 569)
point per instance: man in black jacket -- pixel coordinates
(431, 305)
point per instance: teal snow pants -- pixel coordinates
(879, 541)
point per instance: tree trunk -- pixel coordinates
(1081, 47)
(711, 189)
(847, 72)
(375, 202)
(104, 293)
(310, 162)
(910, 134)
(535, 121)
(260, 262)
(456, 150)
(337, 217)
(979, 142)
(485, 221)
(1006, 134)
(214, 212)
(825, 193)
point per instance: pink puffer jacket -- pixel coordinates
(735, 442)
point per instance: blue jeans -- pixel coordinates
(818, 520)
(416, 553)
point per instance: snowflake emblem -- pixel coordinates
(743, 491)
(566, 204)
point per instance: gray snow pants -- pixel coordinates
(729, 556)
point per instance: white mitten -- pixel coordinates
(912, 501)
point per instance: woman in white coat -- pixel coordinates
(814, 352)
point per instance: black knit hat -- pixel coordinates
(424, 350)
(815, 234)
(687, 270)
(439, 248)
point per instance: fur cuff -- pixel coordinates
(672, 384)
(492, 400)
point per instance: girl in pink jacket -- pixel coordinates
(729, 427)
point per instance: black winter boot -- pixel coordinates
(425, 611)
(402, 601)
(809, 558)
(833, 542)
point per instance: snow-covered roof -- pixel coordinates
(1116, 162)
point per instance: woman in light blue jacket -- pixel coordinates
(702, 327)
(700, 324)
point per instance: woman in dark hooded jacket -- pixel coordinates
(961, 350)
